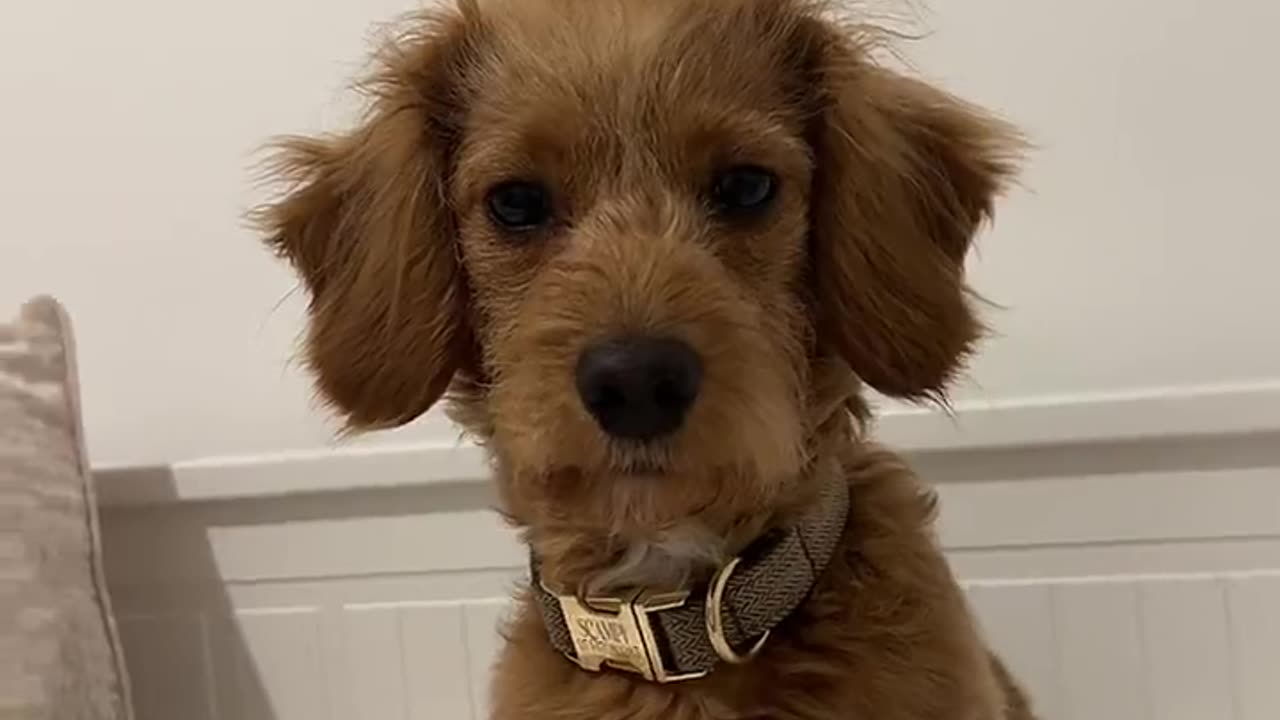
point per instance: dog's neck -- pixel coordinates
(604, 562)
(681, 557)
(677, 557)
(680, 633)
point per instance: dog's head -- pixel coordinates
(636, 238)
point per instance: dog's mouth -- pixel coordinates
(644, 461)
(643, 468)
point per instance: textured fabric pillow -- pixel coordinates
(59, 655)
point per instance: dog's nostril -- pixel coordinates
(666, 391)
(608, 396)
(639, 388)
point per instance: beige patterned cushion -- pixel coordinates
(59, 659)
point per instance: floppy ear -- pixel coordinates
(906, 174)
(367, 225)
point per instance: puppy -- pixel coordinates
(651, 251)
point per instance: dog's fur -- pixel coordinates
(854, 275)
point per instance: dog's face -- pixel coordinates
(633, 233)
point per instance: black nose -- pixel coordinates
(639, 388)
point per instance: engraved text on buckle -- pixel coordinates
(617, 633)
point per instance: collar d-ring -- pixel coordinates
(715, 620)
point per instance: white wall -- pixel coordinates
(1141, 254)
(1121, 581)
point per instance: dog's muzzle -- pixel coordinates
(671, 637)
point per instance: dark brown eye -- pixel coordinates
(743, 190)
(518, 205)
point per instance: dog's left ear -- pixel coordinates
(368, 226)
(906, 175)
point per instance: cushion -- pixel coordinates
(59, 654)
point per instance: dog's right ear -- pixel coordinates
(906, 176)
(367, 224)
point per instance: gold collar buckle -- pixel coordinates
(618, 633)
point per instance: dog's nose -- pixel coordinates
(639, 388)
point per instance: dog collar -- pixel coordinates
(678, 636)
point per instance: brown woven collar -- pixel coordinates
(680, 636)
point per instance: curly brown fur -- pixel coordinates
(626, 109)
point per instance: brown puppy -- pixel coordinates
(651, 249)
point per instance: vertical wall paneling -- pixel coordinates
(1175, 617)
(168, 655)
(1100, 651)
(280, 669)
(1018, 619)
(1187, 650)
(483, 625)
(1253, 610)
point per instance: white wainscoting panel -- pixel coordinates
(1133, 582)
(1124, 648)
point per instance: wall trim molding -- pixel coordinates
(1053, 421)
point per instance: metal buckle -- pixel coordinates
(618, 633)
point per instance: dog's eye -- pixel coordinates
(743, 190)
(519, 205)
